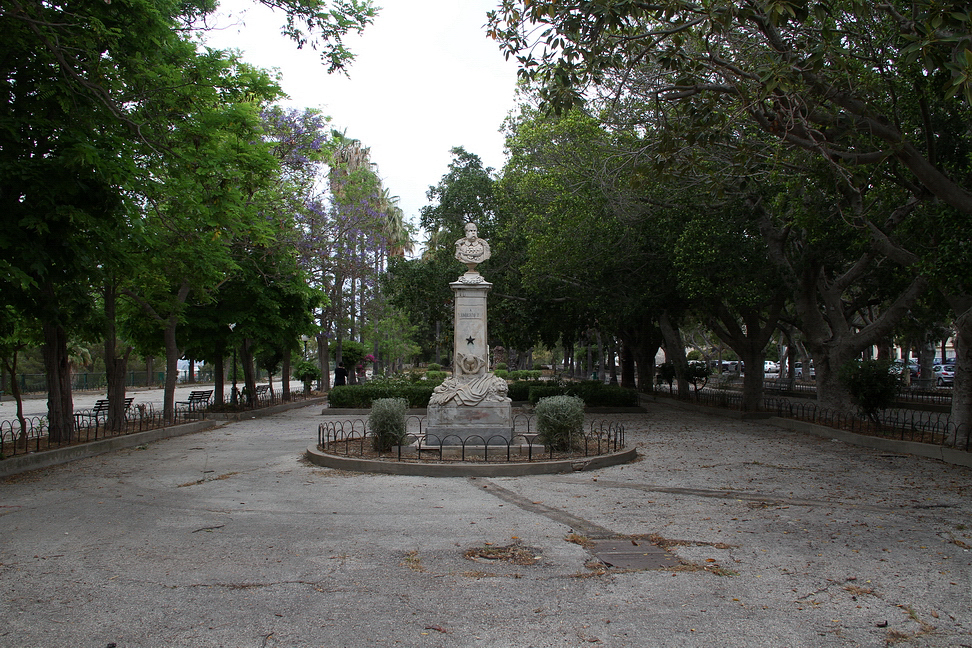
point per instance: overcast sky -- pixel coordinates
(425, 79)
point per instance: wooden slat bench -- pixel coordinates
(197, 400)
(101, 405)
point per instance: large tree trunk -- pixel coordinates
(749, 343)
(675, 352)
(115, 367)
(57, 369)
(831, 326)
(285, 377)
(10, 364)
(324, 359)
(627, 364)
(171, 369)
(219, 378)
(961, 414)
(249, 375)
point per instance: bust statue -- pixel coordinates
(471, 249)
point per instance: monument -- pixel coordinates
(471, 406)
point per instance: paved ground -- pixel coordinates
(228, 538)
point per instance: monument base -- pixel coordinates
(488, 423)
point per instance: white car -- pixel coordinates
(799, 373)
(770, 367)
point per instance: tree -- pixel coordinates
(76, 79)
(204, 198)
(855, 84)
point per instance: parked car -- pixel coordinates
(944, 375)
(770, 367)
(798, 370)
(898, 367)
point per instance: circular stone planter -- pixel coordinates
(467, 468)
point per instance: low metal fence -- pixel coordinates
(89, 425)
(902, 423)
(352, 438)
(33, 435)
(899, 423)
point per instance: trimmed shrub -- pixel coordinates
(307, 372)
(873, 385)
(502, 373)
(500, 366)
(520, 390)
(526, 374)
(560, 422)
(387, 423)
(594, 393)
(435, 376)
(434, 366)
(362, 396)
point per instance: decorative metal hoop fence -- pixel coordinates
(33, 435)
(904, 424)
(88, 425)
(352, 438)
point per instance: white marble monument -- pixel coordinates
(471, 407)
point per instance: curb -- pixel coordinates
(948, 455)
(468, 469)
(263, 411)
(34, 461)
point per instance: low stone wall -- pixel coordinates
(36, 460)
(932, 451)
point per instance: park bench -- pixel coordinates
(101, 405)
(262, 390)
(197, 399)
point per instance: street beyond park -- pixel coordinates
(228, 537)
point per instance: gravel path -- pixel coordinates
(229, 538)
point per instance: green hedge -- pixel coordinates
(519, 374)
(520, 390)
(361, 396)
(593, 393)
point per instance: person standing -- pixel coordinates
(340, 375)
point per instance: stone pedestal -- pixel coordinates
(471, 407)
(482, 424)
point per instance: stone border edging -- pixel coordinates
(263, 411)
(468, 469)
(948, 455)
(422, 411)
(47, 458)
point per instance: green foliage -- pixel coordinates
(524, 374)
(434, 366)
(560, 422)
(387, 423)
(436, 377)
(666, 373)
(873, 385)
(502, 373)
(698, 374)
(307, 372)
(352, 353)
(520, 390)
(361, 396)
(592, 392)
(500, 366)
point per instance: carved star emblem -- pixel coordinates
(470, 340)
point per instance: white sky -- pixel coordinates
(425, 79)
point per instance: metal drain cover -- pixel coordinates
(632, 554)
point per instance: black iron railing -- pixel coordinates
(352, 438)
